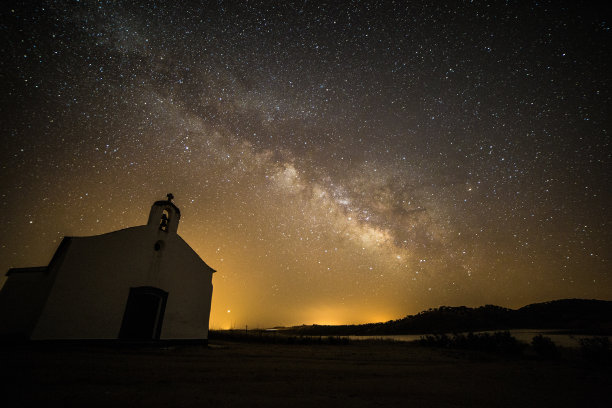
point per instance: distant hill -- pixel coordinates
(574, 315)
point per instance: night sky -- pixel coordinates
(343, 162)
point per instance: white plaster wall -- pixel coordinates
(183, 275)
(91, 289)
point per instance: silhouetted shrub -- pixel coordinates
(337, 340)
(545, 347)
(259, 336)
(498, 342)
(596, 350)
(435, 340)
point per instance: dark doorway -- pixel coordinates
(144, 314)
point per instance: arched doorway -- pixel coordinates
(144, 314)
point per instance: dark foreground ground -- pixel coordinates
(228, 374)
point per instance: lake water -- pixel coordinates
(524, 335)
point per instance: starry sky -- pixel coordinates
(339, 162)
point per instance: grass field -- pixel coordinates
(230, 373)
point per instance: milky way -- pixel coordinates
(339, 163)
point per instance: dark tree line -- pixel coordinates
(574, 315)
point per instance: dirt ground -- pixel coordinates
(231, 374)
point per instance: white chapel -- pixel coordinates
(139, 283)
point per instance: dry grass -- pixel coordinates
(227, 374)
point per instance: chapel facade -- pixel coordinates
(141, 283)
